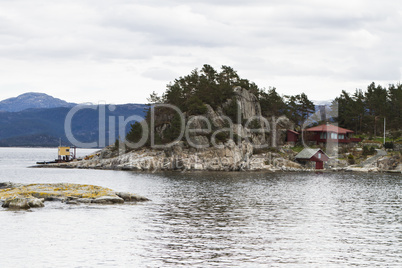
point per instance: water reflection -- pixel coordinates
(208, 219)
(270, 218)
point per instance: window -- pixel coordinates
(319, 155)
(334, 136)
(323, 135)
(341, 136)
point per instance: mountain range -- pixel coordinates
(32, 100)
(37, 120)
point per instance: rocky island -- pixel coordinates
(26, 196)
(217, 121)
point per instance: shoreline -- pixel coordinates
(333, 170)
(228, 158)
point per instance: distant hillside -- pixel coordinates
(322, 103)
(32, 100)
(44, 127)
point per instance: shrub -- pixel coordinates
(254, 124)
(232, 110)
(222, 137)
(116, 145)
(173, 131)
(343, 150)
(366, 150)
(135, 133)
(351, 159)
(196, 106)
(237, 139)
(389, 145)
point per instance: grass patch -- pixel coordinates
(297, 149)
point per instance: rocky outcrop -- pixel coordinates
(247, 102)
(381, 162)
(129, 197)
(215, 117)
(23, 202)
(392, 163)
(108, 200)
(227, 156)
(253, 128)
(20, 196)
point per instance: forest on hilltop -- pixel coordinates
(208, 86)
(364, 111)
(193, 92)
(360, 112)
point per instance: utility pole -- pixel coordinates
(384, 130)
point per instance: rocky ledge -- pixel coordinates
(228, 157)
(26, 196)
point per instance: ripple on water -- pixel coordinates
(210, 219)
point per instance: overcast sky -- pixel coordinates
(120, 51)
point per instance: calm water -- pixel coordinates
(206, 219)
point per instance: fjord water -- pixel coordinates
(205, 219)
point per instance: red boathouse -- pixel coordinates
(312, 155)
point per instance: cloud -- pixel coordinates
(94, 46)
(161, 74)
(170, 26)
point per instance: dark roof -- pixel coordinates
(329, 128)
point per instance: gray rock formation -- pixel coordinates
(216, 119)
(108, 200)
(225, 157)
(20, 196)
(247, 102)
(22, 202)
(253, 128)
(16, 203)
(129, 197)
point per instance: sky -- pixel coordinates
(121, 51)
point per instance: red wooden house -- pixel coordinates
(312, 155)
(330, 133)
(292, 136)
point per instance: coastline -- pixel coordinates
(147, 168)
(227, 157)
(332, 170)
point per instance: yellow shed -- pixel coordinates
(63, 151)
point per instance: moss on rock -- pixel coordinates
(21, 196)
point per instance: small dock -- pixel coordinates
(64, 154)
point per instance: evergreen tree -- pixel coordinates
(364, 112)
(394, 113)
(298, 108)
(271, 103)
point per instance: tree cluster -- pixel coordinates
(364, 111)
(192, 92)
(206, 86)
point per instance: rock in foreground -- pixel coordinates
(20, 196)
